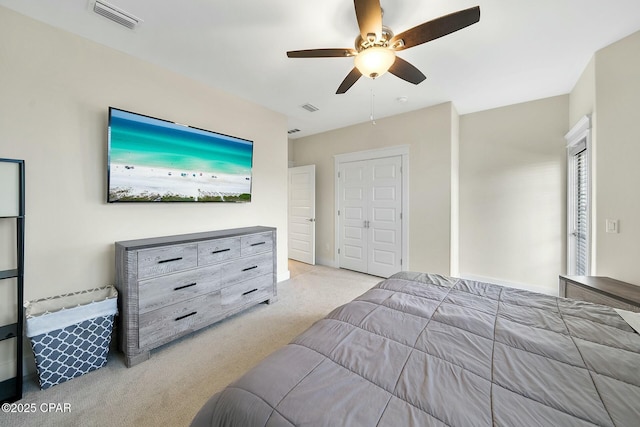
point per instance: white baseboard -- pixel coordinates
(326, 262)
(7, 369)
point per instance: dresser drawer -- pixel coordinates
(256, 243)
(161, 291)
(166, 259)
(246, 268)
(259, 289)
(577, 292)
(177, 318)
(217, 251)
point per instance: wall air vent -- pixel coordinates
(116, 15)
(310, 108)
(290, 131)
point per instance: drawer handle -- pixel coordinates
(258, 244)
(249, 268)
(169, 260)
(185, 286)
(186, 315)
(221, 250)
(249, 292)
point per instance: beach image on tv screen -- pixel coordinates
(155, 160)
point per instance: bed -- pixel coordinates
(428, 350)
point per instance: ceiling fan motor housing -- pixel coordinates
(362, 44)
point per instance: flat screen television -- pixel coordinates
(155, 160)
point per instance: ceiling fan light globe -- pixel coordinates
(374, 61)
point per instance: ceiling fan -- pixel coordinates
(376, 46)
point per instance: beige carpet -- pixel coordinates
(168, 389)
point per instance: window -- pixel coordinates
(578, 199)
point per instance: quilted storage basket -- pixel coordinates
(70, 334)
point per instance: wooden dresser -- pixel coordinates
(601, 290)
(171, 286)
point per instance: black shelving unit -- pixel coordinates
(11, 388)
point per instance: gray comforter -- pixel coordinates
(428, 350)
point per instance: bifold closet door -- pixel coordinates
(371, 216)
(353, 210)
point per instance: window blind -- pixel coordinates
(581, 219)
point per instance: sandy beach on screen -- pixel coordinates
(140, 180)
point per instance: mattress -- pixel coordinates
(428, 350)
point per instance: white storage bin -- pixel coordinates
(70, 334)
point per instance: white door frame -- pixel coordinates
(398, 150)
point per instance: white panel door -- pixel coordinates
(384, 225)
(302, 214)
(353, 239)
(371, 216)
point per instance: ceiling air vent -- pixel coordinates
(116, 15)
(310, 108)
(290, 131)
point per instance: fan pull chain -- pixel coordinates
(372, 117)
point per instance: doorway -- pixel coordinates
(302, 214)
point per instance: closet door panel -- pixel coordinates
(353, 209)
(385, 224)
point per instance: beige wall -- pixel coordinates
(429, 133)
(608, 89)
(290, 153)
(583, 95)
(486, 189)
(55, 89)
(617, 175)
(455, 194)
(512, 192)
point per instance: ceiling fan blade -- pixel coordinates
(321, 53)
(436, 28)
(369, 15)
(406, 71)
(349, 81)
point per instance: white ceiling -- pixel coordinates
(519, 51)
